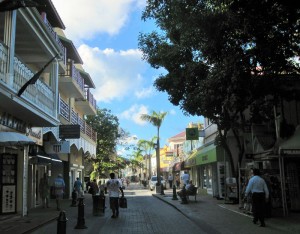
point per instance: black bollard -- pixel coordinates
(74, 198)
(184, 199)
(80, 219)
(174, 193)
(98, 205)
(162, 190)
(62, 223)
(102, 202)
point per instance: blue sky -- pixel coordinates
(105, 34)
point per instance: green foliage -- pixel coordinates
(224, 57)
(108, 134)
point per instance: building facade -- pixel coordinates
(31, 38)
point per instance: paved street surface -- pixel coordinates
(149, 212)
(145, 214)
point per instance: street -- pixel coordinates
(148, 214)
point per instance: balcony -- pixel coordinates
(88, 105)
(37, 105)
(71, 117)
(71, 83)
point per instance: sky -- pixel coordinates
(105, 34)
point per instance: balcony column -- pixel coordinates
(54, 78)
(9, 40)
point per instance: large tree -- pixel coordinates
(108, 135)
(224, 57)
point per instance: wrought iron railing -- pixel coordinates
(90, 98)
(3, 61)
(74, 74)
(54, 35)
(75, 119)
(39, 94)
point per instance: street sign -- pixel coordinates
(192, 133)
(71, 131)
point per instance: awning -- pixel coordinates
(14, 139)
(206, 154)
(178, 166)
(38, 156)
(190, 161)
(292, 145)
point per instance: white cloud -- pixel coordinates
(85, 19)
(172, 112)
(116, 74)
(134, 113)
(144, 92)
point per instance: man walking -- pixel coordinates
(114, 187)
(59, 187)
(78, 187)
(260, 193)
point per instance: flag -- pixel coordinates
(35, 77)
(10, 5)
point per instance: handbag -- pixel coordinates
(123, 202)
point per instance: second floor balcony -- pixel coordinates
(88, 104)
(71, 83)
(37, 105)
(71, 117)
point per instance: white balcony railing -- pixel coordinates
(39, 94)
(3, 60)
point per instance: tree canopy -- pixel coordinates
(108, 135)
(224, 57)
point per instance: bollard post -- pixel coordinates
(74, 198)
(184, 199)
(98, 205)
(80, 219)
(174, 193)
(62, 223)
(162, 190)
(102, 202)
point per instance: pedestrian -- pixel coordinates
(185, 178)
(78, 187)
(94, 187)
(59, 187)
(114, 187)
(101, 187)
(44, 188)
(260, 194)
(170, 179)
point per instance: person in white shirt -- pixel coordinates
(260, 193)
(114, 187)
(185, 178)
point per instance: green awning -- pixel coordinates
(207, 154)
(191, 160)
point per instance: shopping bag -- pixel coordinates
(123, 202)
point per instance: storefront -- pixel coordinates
(289, 165)
(13, 167)
(281, 172)
(209, 169)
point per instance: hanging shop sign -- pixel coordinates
(192, 133)
(71, 131)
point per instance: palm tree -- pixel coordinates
(147, 147)
(156, 120)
